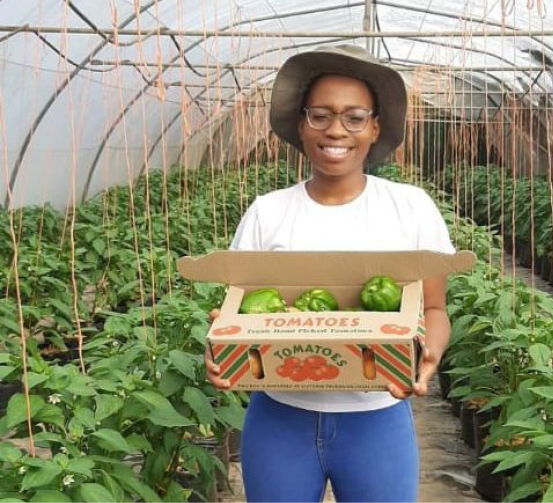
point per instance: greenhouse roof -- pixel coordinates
(102, 79)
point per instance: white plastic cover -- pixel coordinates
(81, 112)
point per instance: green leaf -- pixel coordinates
(99, 246)
(85, 417)
(139, 443)
(460, 391)
(540, 353)
(8, 452)
(183, 362)
(548, 496)
(50, 496)
(17, 408)
(80, 385)
(35, 378)
(95, 493)
(41, 477)
(129, 480)
(522, 492)
(52, 415)
(545, 391)
(494, 402)
(112, 440)
(82, 466)
(113, 487)
(129, 287)
(516, 459)
(171, 382)
(162, 412)
(11, 325)
(5, 371)
(543, 440)
(231, 414)
(106, 405)
(200, 404)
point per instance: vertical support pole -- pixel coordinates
(369, 24)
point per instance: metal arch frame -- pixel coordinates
(478, 51)
(181, 53)
(231, 98)
(43, 112)
(464, 17)
(36, 123)
(143, 91)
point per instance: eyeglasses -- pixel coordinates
(354, 119)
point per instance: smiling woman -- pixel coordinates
(343, 110)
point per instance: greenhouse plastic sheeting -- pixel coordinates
(83, 111)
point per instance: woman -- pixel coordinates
(342, 110)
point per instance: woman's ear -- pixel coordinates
(301, 126)
(375, 124)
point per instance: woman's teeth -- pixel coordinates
(336, 150)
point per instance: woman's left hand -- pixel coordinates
(429, 365)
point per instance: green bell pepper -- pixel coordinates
(381, 293)
(265, 300)
(316, 300)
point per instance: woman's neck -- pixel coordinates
(334, 191)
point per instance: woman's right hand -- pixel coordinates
(213, 370)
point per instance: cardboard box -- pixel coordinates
(333, 350)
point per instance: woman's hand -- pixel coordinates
(213, 370)
(429, 366)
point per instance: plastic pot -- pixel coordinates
(481, 427)
(545, 271)
(234, 440)
(445, 384)
(526, 256)
(456, 407)
(490, 485)
(467, 425)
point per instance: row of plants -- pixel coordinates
(135, 419)
(520, 209)
(498, 368)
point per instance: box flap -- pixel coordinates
(320, 268)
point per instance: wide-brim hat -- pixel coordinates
(298, 72)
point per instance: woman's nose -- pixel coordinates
(336, 128)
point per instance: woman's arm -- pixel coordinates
(437, 335)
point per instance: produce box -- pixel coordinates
(330, 350)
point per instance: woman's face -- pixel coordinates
(335, 151)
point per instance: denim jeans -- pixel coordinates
(288, 454)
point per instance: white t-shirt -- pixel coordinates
(385, 216)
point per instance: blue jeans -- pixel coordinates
(289, 453)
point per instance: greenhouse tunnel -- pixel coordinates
(136, 132)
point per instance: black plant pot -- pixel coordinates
(490, 485)
(481, 427)
(519, 249)
(234, 440)
(445, 384)
(456, 407)
(508, 244)
(525, 257)
(467, 425)
(7, 390)
(545, 272)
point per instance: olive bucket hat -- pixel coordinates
(297, 73)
